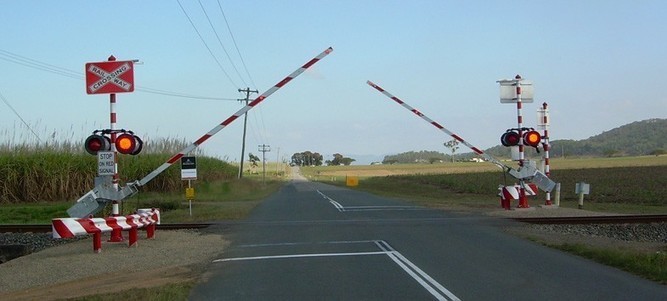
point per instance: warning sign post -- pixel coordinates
(110, 77)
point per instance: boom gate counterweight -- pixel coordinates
(96, 199)
(525, 172)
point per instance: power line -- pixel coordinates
(35, 64)
(220, 42)
(28, 62)
(236, 45)
(19, 116)
(205, 44)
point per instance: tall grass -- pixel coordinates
(53, 169)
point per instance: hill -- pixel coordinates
(647, 137)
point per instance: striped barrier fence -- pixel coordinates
(71, 227)
(513, 192)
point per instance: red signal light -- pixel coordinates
(532, 138)
(97, 143)
(128, 144)
(510, 138)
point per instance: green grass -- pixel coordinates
(170, 292)
(37, 213)
(223, 200)
(650, 266)
(220, 200)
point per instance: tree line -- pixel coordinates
(308, 158)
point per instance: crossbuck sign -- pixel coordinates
(109, 77)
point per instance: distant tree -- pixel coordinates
(389, 161)
(433, 160)
(658, 152)
(307, 158)
(317, 159)
(253, 159)
(337, 158)
(347, 161)
(297, 159)
(610, 152)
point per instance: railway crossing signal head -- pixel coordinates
(510, 138)
(126, 143)
(129, 144)
(97, 143)
(532, 138)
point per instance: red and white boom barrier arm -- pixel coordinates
(229, 120)
(440, 127)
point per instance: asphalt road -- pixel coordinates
(312, 241)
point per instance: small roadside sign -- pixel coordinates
(188, 168)
(106, 163)
(189, 193)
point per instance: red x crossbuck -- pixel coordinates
(109, 77)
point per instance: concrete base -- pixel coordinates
(524, 209)
(549, 207)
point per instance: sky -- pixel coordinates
(598, 64)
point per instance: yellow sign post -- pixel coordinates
(190, 193)
(352, 181)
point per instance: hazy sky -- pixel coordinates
(598, 64)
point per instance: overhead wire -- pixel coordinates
(262, 129)
(231, 34)
(220, 42)
(19, 116)
(206, 44)
(35, 64)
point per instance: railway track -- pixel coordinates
(612, 219)
(43, 228)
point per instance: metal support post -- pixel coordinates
(116, 234)
(543, 121)
(523, 201)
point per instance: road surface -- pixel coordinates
(312, 241)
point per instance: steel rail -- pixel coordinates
(607, 219)
(45, 228)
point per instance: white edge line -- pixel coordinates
(426, 276)
(307, 243)
(332, 201)
(402, 262)
(419, 280)
(298, 256)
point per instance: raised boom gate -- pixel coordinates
(95, 200)
(526, 172)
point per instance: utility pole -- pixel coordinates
(245, 122)
(264, 149)
(278, 161)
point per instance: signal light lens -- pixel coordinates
(97, 143)
(532, 138)
(510, 138)
(128, 144)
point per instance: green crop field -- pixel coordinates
(39, 182)
(624, 184)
